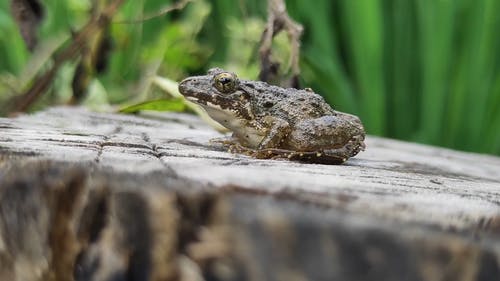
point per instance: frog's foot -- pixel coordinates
(224, 141)
(327, 156)
(277, 153)
(318, 157)
(334, 156)
(353, 146)
(268, 153)
(237, 148)
(272, 153)
(233, 146)
(340, 155)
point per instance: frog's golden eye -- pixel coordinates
(225, 82)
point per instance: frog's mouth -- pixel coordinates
(201, 102)
(195, 99)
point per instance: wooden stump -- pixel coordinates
(95, 196)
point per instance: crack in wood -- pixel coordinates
(104, 140)
(153, 148)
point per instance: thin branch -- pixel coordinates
(278, 20)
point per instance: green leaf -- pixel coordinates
(175, 105)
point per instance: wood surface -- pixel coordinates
(103, 196)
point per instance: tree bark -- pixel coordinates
(100, 196)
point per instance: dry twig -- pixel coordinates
(277, 21)
(43, 81)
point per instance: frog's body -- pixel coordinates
(270, 121)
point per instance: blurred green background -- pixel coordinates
(418, 70)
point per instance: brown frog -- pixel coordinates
(273, 122)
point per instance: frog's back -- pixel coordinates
(290, 104)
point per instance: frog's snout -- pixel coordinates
(184, 86)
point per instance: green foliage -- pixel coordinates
(419, 70)
(13, 52)
(424, 71)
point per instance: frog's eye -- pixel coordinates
(225, 82)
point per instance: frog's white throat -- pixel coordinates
(247, 134)
(227, 118)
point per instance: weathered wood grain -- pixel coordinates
(99, 196)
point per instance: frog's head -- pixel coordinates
(202, 89)
(219, 93)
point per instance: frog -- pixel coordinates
(271, 122)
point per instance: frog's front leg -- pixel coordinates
(269, 147)
(279, 129)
